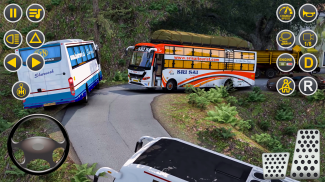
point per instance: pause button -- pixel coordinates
(308, 85)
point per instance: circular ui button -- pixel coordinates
(12, 62)
(285, 39)
(35, 13)
(308, 39)
(285, 86)
(20, 90)
(308, 13)
(13, 39)
(35, 62)
(13, 13)
(308, 62)
(308, 86)
(35, 39)
(285, 13)
(285, 62)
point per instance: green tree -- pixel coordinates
(252, 20)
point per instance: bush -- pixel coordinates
(56, 2)
(290, 130)
(155, 6)
(49, 7)
(214, 96)
(284, 112)
(121, 76)
(121, 62)
(223, 91)
(198, 101)
(189, 88)
(171, 8)
(317, 96)
(222, 133)
(257, 89)
(264, 125)
(244, 125)
(49, 35)
(4, 125)
(252, 123)
(72, 7)
(242, 102)
(268, 141)
(232, 100)
(224, 113)
(255, 97)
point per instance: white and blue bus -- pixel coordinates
(71, 71)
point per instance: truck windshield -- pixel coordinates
(141, 59)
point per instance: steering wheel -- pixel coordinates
(38, 147)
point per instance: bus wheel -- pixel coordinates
(97, 86)
(171, 85)
(229, 85)
(270, 73)
(258, 73)
(85, 99)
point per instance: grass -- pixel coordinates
(184, 121)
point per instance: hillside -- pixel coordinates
(121, 24)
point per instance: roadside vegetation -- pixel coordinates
(244, 124)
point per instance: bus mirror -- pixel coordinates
(138, 146)
(127, 49)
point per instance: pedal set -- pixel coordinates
(306, 158)
(275, 165)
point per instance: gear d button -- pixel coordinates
(308, 86)
(308, 62)
(285, 86)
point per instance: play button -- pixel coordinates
(35, 62)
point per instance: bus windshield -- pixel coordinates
(140, 59)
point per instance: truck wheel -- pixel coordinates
(171, 85)
(257, 73)
(270, 73)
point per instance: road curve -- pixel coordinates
(105, 130)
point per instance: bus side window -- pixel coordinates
(197, 52)
(87, 51)
(72, 57)
(197, 64)
(205, 65)
(214, 66)
(168, 63)
(245, 67)
(206, 53)
(188, 51)
(84, 54)
(179, 51)
(187, 64)
(251, 67)
(237, 66)
(214, 53)
(169, 50)
(178, 64)
(78, 54)
(92, 53)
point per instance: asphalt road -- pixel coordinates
(105, 130)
